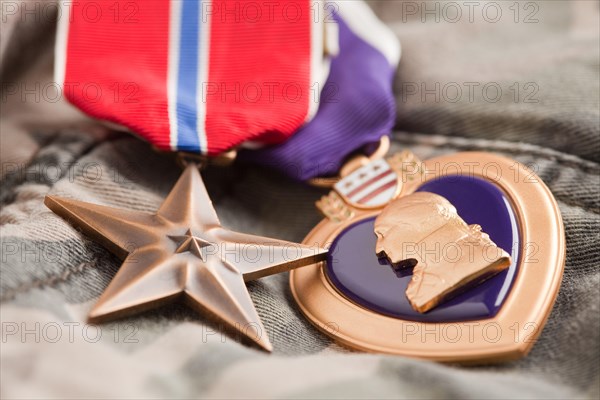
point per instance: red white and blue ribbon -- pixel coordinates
(202, 76)
(186, 75)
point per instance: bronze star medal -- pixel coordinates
(183, 252)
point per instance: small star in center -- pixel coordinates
(191, 243)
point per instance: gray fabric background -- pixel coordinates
(51, 274)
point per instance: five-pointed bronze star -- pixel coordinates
(182, 251)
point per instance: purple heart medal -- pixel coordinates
(456, 259)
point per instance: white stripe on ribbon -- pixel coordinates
(319, 64)
(204, 20)
(60, 46)
(364, 23)
(173, 70)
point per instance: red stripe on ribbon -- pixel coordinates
(258, 84)
(116, 64)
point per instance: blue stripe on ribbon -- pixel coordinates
(187, 82)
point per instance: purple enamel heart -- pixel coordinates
(358, 274)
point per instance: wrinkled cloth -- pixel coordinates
(51, 274)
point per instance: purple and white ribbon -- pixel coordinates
(357, 105)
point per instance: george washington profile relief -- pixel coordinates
(423, 230)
